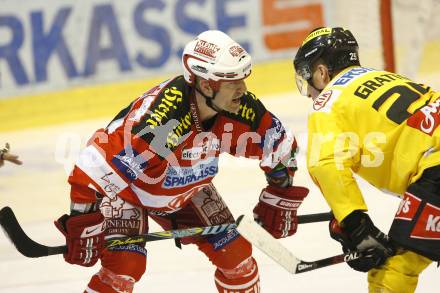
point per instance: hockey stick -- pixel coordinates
(273, 248)
(30, 248)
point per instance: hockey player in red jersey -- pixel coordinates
(157, 159)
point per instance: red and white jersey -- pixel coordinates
(152, 155)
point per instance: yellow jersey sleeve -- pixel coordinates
(331, 155)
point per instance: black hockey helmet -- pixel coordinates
(337, 47)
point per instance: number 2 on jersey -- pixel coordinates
(398, 111)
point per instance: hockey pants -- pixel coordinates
(236, 272)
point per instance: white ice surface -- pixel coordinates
(38, 193)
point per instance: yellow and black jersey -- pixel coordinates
(378, 124)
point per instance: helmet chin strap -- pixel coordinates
(209, 100)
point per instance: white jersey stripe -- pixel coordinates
(162, 201)
(96, 167)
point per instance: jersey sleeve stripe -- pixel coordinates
(97, 168)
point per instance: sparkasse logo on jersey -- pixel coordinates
(183, 176)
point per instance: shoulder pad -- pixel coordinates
(168, 118)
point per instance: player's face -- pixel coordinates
(228, 97)
(312, 92)
(320, 79)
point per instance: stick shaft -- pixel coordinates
(30, 248)
(280, 254)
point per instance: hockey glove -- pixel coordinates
(276, 209)
(360, 237)
(84, 237)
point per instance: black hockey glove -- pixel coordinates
(359, 235)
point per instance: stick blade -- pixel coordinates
(18, 237)
(261, 239)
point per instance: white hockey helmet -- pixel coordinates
(216, 57)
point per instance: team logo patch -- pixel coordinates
(236, 50)
(207, 49)
(130, 165)
(408, 207)
(427, 118)
(428, 225)
(322, 100)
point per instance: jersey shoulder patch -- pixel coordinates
(324, 102)
(350, 75)
(168, 116)
(169, 103)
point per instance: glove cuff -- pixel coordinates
(86, 225)
(60, 224)
(358, 226)
(355, 221)
(291, 192)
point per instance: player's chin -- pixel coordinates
(234, 108)
(313, 94)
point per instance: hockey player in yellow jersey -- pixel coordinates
(383, 127)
